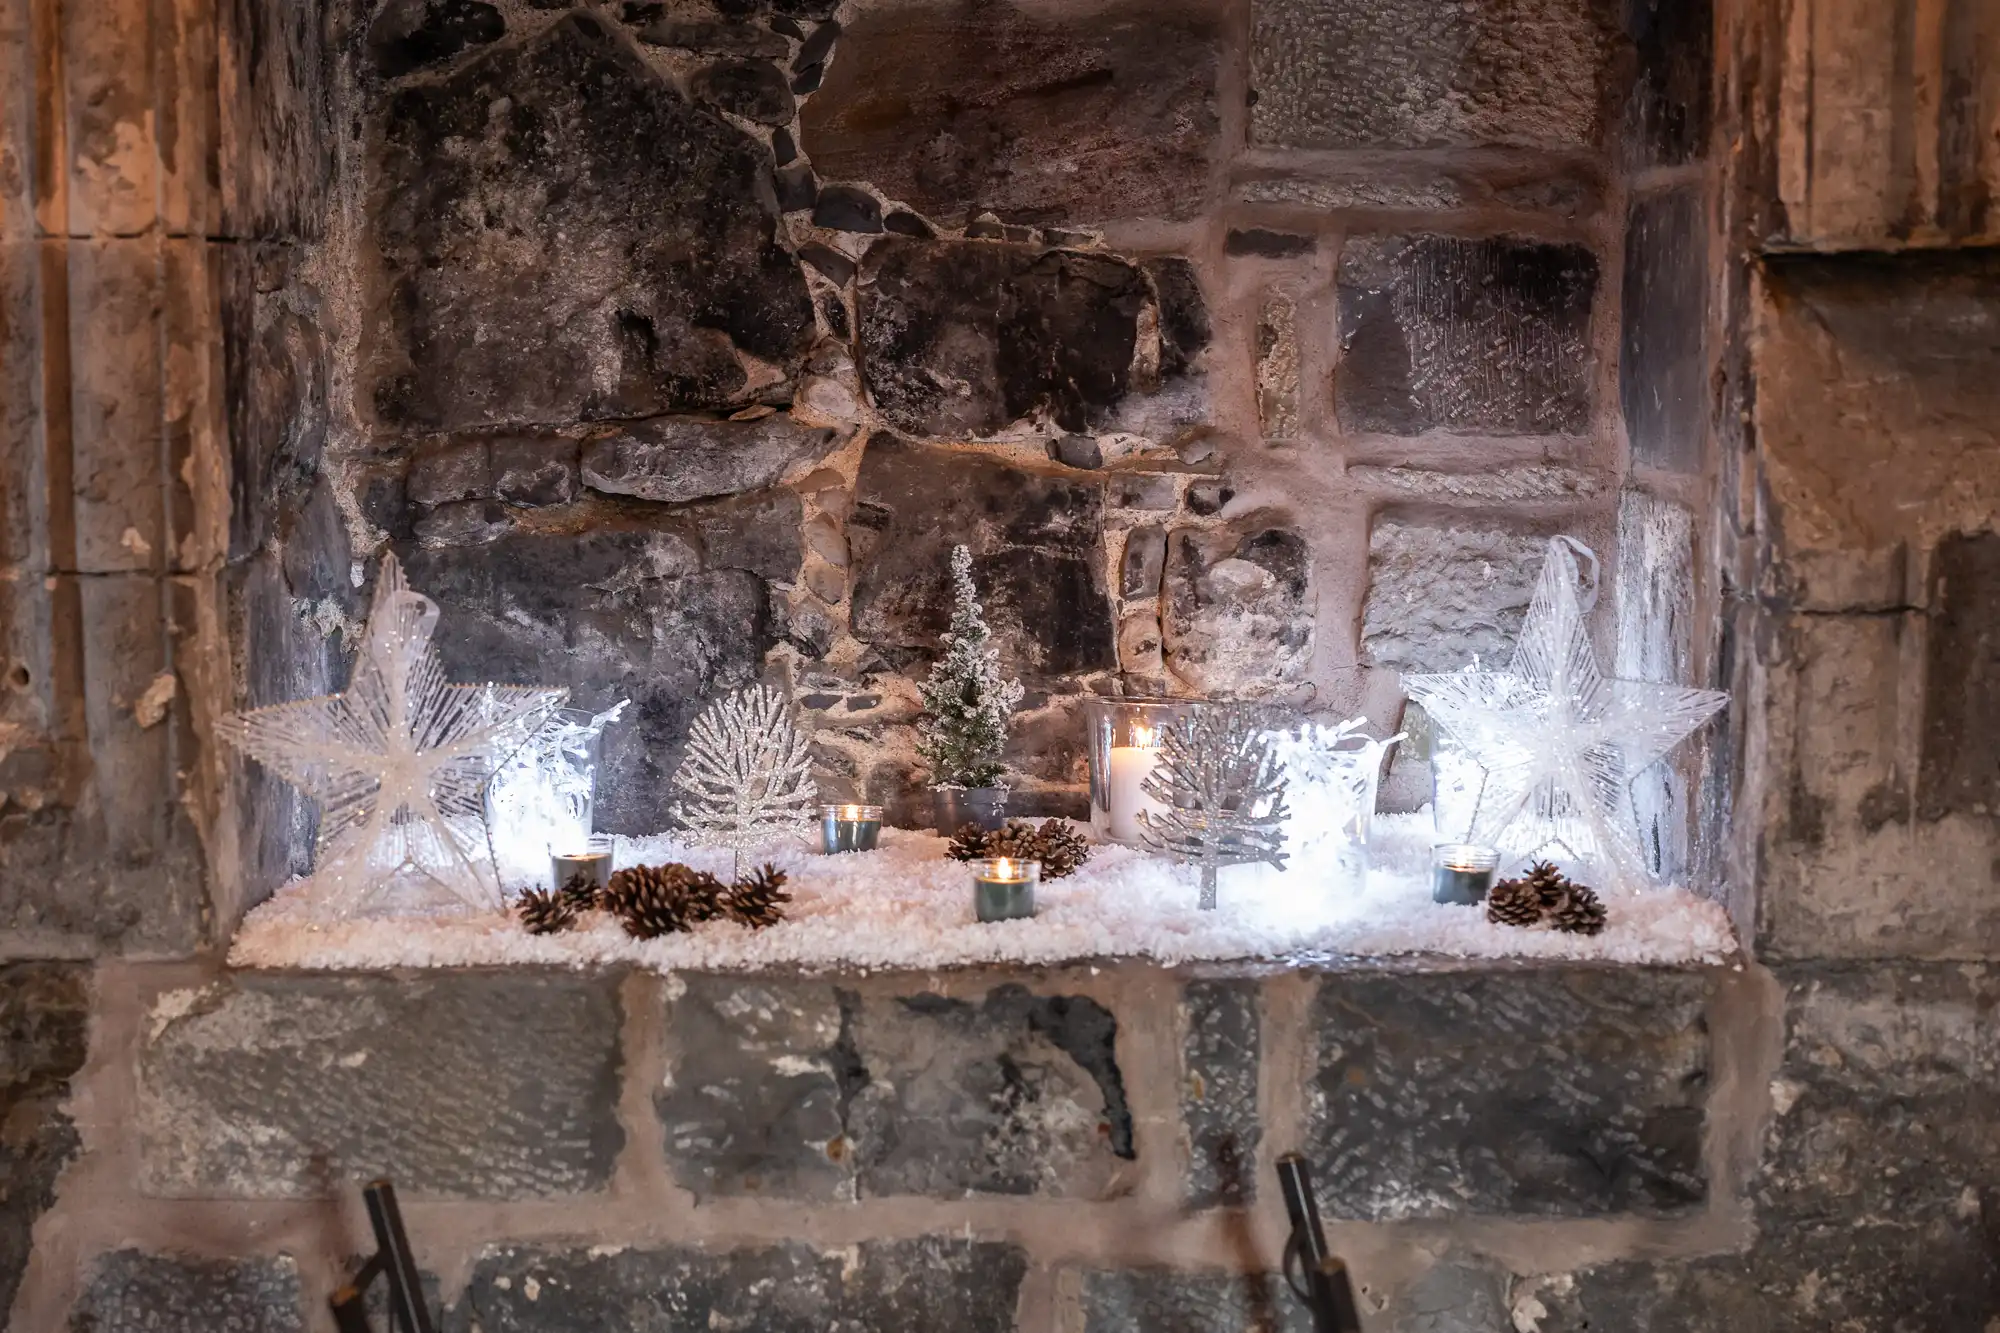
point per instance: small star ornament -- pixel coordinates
(1559, 743)
(398, 764)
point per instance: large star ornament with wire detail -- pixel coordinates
(398, 764)
(1559, 743)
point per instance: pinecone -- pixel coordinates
(1514, 902)
(968, 844)
(1581, 911)
(545, 911)
(759, 900)
(650, 901)
(1550, 884)
(580, 891)
(1015, 841)
(1063, 849)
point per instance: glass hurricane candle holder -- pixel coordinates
(1003, 889)
(593, 863)
(1462, 872)
(849, 828)
(1124, 748)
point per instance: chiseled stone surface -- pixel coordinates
(675, 460)
(463, 1085)
(804, 1090)
(1220, 1058)
(129, 1291)
(1447, 333)
(1553, 1091)
(1418, 74)
(1037, 540)
(1042, 116)
(902, 1286)
(562, 236)
(1238, 607)
(1162, 1300)
(1662, 369)
(44, 1020)
(1440, 595)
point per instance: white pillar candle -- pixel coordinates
(1131, 765)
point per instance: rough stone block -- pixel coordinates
(800, 1090)
(119, 494)
(1163, 1300)
(1540, 1092)
(411, 34)
(129, 1291)
(964, 338)
(453, 470)
(1037, 544)
(901, 1286)
(1446, 333)
(1220, 1058)
(1655, 607)
(618, 613)
(533, 472)
(1662, 369)
(674, 461)
(470, 1085)
(1439, 596)
(1238, 607)
(1960, 775)
(1152, 491)
(276, 369)
(1038, 116)
(23, 487)
(1415, 74)
(1184, 327)
(1666, 115)
(1278, 367)
(562, 236)
(1145, 559)
(44, 1032)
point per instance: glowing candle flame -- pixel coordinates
(850, 812)
(1144, 737)
(1003, 869)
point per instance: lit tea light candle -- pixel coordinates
(1003, 889)
(593, 866)
(1462, 872)
(849, 828)
(1131, 765)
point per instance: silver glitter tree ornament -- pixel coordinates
(747, 774)
(398, 764)
(1222, 791)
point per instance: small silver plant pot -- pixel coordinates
(955, 807)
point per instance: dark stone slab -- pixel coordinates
(904, 223)
(466, 1085)
(1220, 1058)
(837, 267)
(1206, 499)
(44, 1035)
(1162, 1300)
(847, 208)
(807, 80)
(410, 34)
(533, 472)
(561, 236)
(1010, 329)
(676, 459)
(753, 89)
(1413, 74)
(620, 612)
(717, 38)
(1265, 244)
(1885, 1098)
(1037, 547)
(129, 1291)
(1958, 774)
(801, 1090)
(1039, 117)
(1078, 451)
(1238, 609)
(1441, 332)
(276, 365)
(1543, 1092)
(1184, 330)
(1154, 491)
(1145, 559)
(1666, 115)
(814, 49)
(1662, 369)
(797, 187)
(902, 1286)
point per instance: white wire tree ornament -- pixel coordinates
(747, 774)
(398, 764)
(1222, 793)
(1559, 743)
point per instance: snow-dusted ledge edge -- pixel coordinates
(908, 907)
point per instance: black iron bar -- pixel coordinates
(393, 1261)
(1327, 1291)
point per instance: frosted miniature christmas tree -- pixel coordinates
(967, 700)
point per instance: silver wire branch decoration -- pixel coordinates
(1223, 794)
(747, 774)
(398, 763)
(1559, 743)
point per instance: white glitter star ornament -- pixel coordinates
(399, 764)
(1559, 743)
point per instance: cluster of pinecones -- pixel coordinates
(1060, 848)
(650, 901)
(1546, 894)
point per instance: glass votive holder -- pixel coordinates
(1124, 735)
(593, 863)
(1003, 889)
(849, 828)
(1462, 872)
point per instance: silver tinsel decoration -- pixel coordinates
(1223, 791)
(748, 773)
